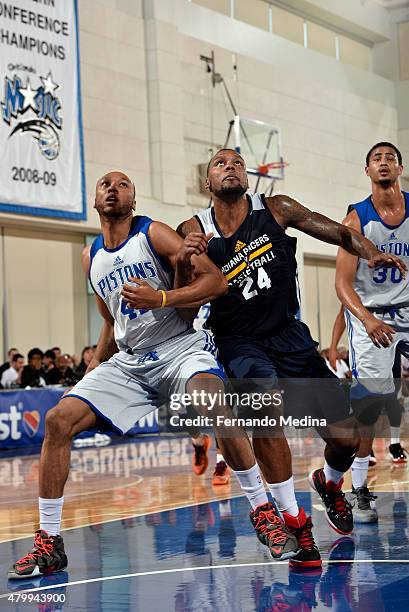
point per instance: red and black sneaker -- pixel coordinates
(221, 474)
(47, 557)
(397, 453)
(301, 527)
(337, 509)
(272, 532)
(200, 460)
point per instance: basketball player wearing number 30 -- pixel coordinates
(376, 305)
(259, 337)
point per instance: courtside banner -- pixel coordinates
(41, 161)
(22, 420)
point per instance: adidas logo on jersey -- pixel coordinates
(118, 261)
(392, 236)
(239, 246)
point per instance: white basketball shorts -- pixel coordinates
(127, 387)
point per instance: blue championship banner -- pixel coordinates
(22, 419)
(41, 162)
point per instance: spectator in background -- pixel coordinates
(67, 376)
(12, 376)
(57, 351)
(52, 374)
(33, 374)
(70, 360)
(86, 357)
(7, 364)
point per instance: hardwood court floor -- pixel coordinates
(147, 475)
(142, 533)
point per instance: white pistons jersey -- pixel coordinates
(384, 286)
(110, 269)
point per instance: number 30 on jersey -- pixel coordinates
(382, 274)
(263, 282)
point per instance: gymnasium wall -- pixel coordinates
(149, 109)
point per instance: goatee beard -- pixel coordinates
(231, 192)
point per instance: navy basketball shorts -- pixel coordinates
(288, 361)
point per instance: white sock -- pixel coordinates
(252, 485)
(395, 435)
(331, 474)
(284, 495)
(359, 471)
(224, 508)
(219, 458)
(50, 514)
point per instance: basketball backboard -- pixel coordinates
(260, 145)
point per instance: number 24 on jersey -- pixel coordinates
(263, 282)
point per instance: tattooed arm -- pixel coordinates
(290, 213)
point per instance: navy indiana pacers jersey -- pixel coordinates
(258, 261)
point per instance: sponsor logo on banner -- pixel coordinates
(97, 440)
(10, 423)
(31, 422)
(41, 162)
(17, 421)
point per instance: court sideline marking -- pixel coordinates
(190, 569)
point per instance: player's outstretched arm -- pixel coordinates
(380, 333)
(209, 283)
(106, 346)
(290, 213)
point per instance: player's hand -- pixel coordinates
(141, 295)
(332, 358)
(389, 261)
(195, 243)
(379, 332)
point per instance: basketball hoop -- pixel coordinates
(278, 165)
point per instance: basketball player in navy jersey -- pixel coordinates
(376, 305)
(257, 333)
(144, 342)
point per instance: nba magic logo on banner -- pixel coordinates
(43, 103)
(41, 166)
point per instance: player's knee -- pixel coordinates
(344, 447)
(57, 423)
(351, 446)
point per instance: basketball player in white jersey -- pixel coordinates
(393, 407)
(131, 267)
(376, 305)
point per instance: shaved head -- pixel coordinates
(115, 195)
(218, 153)
(227, 175)
(119, 174)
